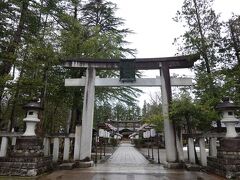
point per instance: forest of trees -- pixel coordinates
(36, 36)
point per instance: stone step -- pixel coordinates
(192, 167)
(67, 166)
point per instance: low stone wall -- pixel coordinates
(25, 159)
(24, 166)
(226, 167)
(227, 162)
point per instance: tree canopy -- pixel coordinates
(34, 38)
(217, 42)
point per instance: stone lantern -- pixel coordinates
(31, 119)
(226, 163)
(227, 108)
(27, 157)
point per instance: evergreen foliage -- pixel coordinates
(34, 37)
(216, 73)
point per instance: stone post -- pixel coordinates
(191, 151)
(13, 142)
(55, 149)
(170, 141)
(77, 141)
(180, 149)
(66, 149)
(213, 147)
(87, 116)
(46, 146)
(13, 139)
(203, 154)
(4, 147)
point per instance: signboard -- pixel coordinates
(127, 70)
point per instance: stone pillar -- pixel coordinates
(66, 149)
(46, 146)
(77, 141)
(87, 116)
(213, 147)
(180, 149)
(203, 154)
(170, 142)
(13, 142)
(4, 147)
(55, 149)
(191, 151)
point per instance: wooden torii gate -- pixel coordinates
(82, 149)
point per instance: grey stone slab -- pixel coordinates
(66, 166)
(127, 163)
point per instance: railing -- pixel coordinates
(201, 139)
(4, 139)
(62, 148)
(57, 146)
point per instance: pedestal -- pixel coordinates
(26, 159)
(227, 162)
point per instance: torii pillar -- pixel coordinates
(87, 115)
(169, 133)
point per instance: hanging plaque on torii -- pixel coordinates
(127, 70)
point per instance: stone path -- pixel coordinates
(126, 154)
(127, 164)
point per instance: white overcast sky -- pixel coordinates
(154, 30)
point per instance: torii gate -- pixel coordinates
(83, 148)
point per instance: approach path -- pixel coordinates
(126, 154)
(127, 163)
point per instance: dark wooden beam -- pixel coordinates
(141, 63)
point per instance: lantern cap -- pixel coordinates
(33, 105)
(226, 105)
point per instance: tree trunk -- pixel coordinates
(204, 48)
(203, 52)
(68, 122)
(43, 100)
(13, 111)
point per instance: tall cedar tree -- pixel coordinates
(98, 34)
(202, 34)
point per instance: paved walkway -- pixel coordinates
(128, 164)
(126, 154)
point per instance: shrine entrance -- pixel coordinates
(126, 127)
(127, 67)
